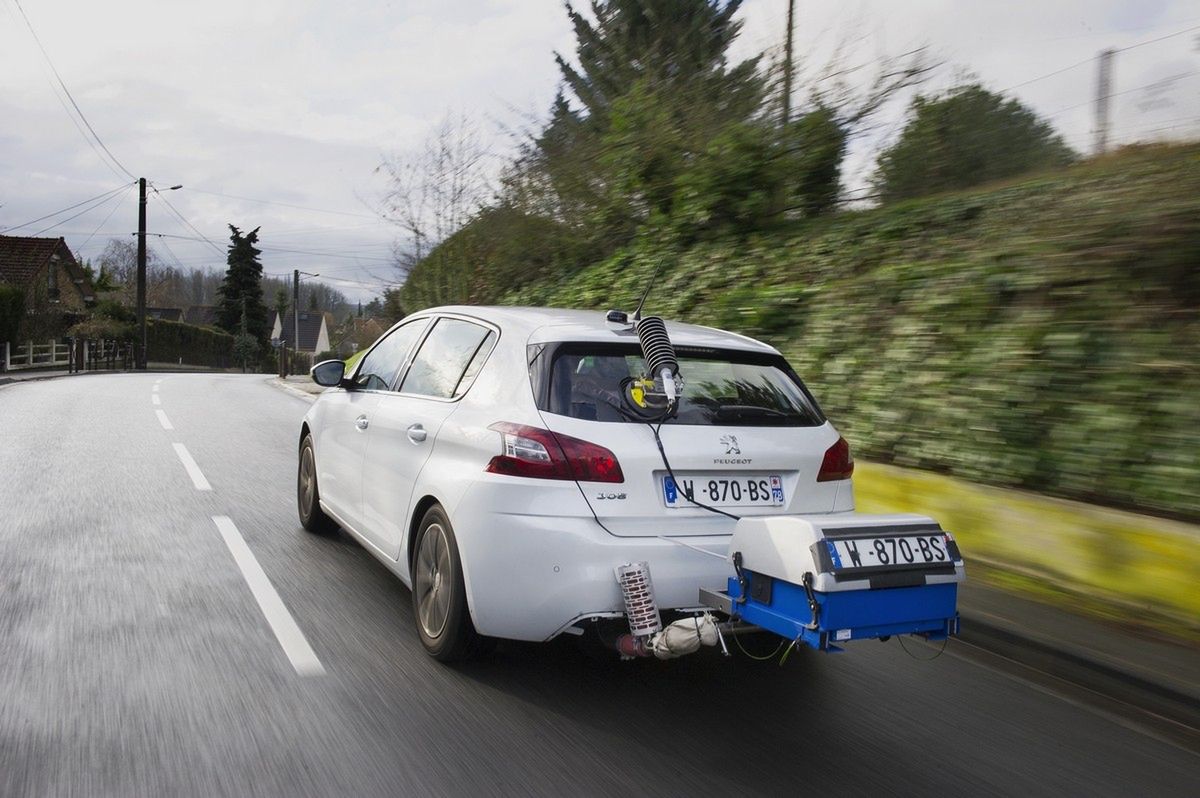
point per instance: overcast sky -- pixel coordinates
(297, 101)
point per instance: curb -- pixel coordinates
(1083, 671)
(296, 392)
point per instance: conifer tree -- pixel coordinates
(242, 287)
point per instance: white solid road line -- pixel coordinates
(290, 638)
(162, 419)
(190, 465)
(156, 399)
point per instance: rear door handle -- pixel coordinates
(417, 433)
(361, 422)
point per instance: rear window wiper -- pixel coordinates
(751, 412)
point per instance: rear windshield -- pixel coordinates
(720, 387)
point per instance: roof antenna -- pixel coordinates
(637, 314)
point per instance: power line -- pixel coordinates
(106, 218)
(287, 205)
(73, 216)
(1089, 59)
(1163, 81)
(67, 91)
(268, 248)
(68, 208)
(1159, 39)
(184, 220)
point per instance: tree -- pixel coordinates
(655, 88)
(282, 303)
(965, 137)
(241, 290)
(437, 189)
(393, 309)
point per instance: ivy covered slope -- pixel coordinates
(1041, 334)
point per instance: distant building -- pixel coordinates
(358, 333)
(314, 331)
(57, 289)
(201, 315)
(165, 314)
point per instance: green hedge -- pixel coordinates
(1043, 334)
(171, 341)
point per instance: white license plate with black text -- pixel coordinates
(724, 490)
(883, 552)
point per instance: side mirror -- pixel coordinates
(328, 373)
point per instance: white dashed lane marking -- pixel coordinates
(290, 638)
(162, 419)
(190, 466)
(156, 399)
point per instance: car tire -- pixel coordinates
(439, 595)
(308, 495)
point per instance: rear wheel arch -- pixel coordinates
(414, 523)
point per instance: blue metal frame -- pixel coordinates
(927, 610)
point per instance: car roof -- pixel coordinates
(545, 325)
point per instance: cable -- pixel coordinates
(1164, 81)
(1159, 39)
(68, 208)
(738, 642)
(67, 91)
(73, 216)
(1087, 60)
(287, 205)
(945, 642)
(663, 452)
(106, 218)
(1093, 58)
(186, 223)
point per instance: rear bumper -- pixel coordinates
(535, 567)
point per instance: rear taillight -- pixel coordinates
(540, 453)
(838, 464)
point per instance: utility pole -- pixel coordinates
(295, 311)
(1103, 93)
(787, 64)
(141, 274)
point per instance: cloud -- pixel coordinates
(296, 100)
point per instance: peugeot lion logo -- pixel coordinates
(731, 444)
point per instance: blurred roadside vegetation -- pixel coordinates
(1043, 334)
(1040, 333)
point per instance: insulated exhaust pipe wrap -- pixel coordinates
(638, 593)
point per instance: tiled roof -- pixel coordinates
(310, 329)
(22, 258)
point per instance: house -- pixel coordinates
(314, 331)
(201, 315)
(165, 314)
(57, 290)
(359, 333)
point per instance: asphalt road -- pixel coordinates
(135, 660)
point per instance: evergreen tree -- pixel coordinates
(242, 287)
(655, 88)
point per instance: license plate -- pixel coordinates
(724, 490)
(883, 552)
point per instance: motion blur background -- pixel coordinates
(974, 229)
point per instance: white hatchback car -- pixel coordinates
(484, 455)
